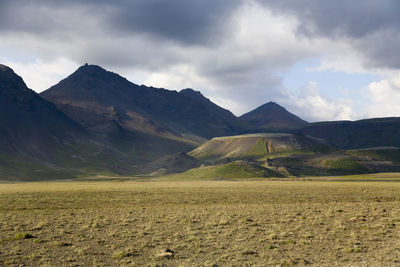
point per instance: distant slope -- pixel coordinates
(292, 155)
(357, 134)
(96, 97)
(221, 120)
(256, 147)
(229, 171)
(173, 163)
(391, 154)
(272, 116)
(341, 162)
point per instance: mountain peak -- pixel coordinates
(272, 115)
(87, 78)
(91, 69)
(9, 80)
(272, 104)
(190, 92)
(4, 68)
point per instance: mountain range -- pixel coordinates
(97, 122)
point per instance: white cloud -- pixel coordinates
(350, 64)
(313, 106)
(385, 97)
(176, 77)
(40, 75)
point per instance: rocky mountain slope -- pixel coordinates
(108, 104)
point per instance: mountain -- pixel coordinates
(215, 115)
(257, 147)
(379, 132)
(109, 105)
(34, 134)
(272, 116)
(289, 155)
(38, 141)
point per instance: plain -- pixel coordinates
(202, 223)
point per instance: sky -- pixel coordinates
(321, 60)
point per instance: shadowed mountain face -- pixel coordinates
(28, 123)
(272, 116)
(108, 104)
(32, 129)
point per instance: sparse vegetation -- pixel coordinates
(390, 154)
(22, 236)
(199, 223)
(233, 170)
(346, 165)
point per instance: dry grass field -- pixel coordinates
(203, 223)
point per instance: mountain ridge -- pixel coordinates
(170, 114)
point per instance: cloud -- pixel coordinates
(188, 22)
(385, 97)
(372, 27)
(239, 73)
(313, 106)
(344, 63)
(40, 75)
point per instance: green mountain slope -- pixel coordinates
(256, 147)
(294, 155)
(172, 163)
(229, 171)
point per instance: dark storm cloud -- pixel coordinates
(195, 21)
(186, 22)
(341, 17)
(372, 26)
